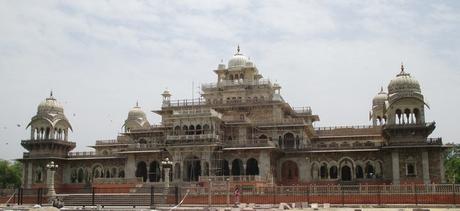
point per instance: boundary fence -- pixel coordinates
(225, 195)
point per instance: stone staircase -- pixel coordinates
(113, 199)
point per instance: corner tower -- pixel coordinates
(406, 111)
(49, 131)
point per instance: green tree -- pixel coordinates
(10, 174)
(452, 165)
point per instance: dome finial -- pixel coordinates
(137, 103)
(402, 67)
(381, 89)
(238, 49)
(51, 93)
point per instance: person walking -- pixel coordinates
(237, 195)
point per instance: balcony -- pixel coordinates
(279, 122)
(82, 154)
(249, 143)
(434, 141)
(184, 103)
(306, 110)
(235, 83)
(106, 142)
(202, 139)
(348, 130)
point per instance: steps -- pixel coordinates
(112, 199)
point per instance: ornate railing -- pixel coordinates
(185, 102)
(226, 83)
(192, 137)
(108, 141)
(248, 143)
(302, 110)
(245, 178)
(82, 154)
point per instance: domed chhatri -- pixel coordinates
(380, 98)
(50, 121)
(403, 82)
(238, 60)
(50, 105)
(136, 113)
(136, 119)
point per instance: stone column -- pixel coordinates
(130, 167)
(264, 164)
(441, 168)
(395, 166)
(29, 174)
(307, 172)
(426, 167)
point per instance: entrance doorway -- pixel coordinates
(346, 173)
(193, 169)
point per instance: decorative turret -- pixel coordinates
(379, 104)
(136, 119)
(406, 103)
(406, 112)
(49, 130)
(50, 121)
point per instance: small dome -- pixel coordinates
(50, 105)
(238, 60)
(221, 65)
(403, 83)
(136, 113)
(166, 93)
(380, 98)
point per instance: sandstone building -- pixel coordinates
(243, 128)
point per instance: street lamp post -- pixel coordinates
(51, 166)
(167, 165)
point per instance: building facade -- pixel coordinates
(241, 128)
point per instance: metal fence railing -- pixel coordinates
(223, 193)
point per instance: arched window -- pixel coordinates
(346, 173)
(185, 130)
(225, 168)
(141, 170)
(398, 117)
(333, 172)
(323, 171)
(370, 171)
(191, 130)
(407, 116)
(80, 175)
(198, 130)
(410, 170)
(289, 142)
(177, 130)
(252, 167)
(241, 76)
(206, 129)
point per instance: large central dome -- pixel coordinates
(238, 60)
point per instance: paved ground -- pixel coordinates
(200, 208)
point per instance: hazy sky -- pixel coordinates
(99, 57)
